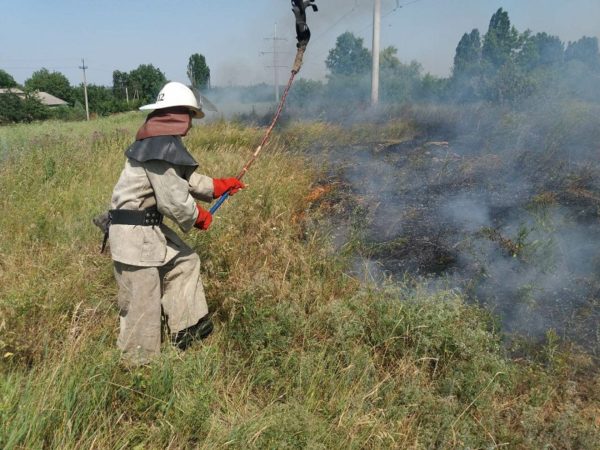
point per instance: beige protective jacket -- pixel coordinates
(169, 187)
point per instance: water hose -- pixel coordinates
(303, 36)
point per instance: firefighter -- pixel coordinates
(156, 272)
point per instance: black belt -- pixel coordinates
(147, 217)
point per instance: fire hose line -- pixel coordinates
(303, 35)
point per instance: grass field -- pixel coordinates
(303, 355)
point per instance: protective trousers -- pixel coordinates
(145, 293)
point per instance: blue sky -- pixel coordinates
(120, 35)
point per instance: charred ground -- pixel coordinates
(500, 204)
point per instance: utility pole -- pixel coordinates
(375, 50)
(87, 109)
(275, 65)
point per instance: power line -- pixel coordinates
(345, 16)
(3, 58)
(383, 16)
(317, 55)
(390, 12)
(37, 68)
(337, 22)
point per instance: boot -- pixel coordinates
(184, 338)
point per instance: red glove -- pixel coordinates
(204, 219)
(222, 185)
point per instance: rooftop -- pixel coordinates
(44, 97)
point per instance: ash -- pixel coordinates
(507, 216)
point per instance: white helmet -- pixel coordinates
(176, 94)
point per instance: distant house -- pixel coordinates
(16, 91)
(45, 98)
(50, 100)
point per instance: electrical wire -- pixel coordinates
(391, 11)
(317, 57)
(337, 22)
(38, 67)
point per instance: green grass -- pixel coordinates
(303, 355)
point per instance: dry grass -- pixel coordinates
(303, 356)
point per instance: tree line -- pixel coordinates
(502, 66)
(129, 90)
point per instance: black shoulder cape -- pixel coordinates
(163, 148)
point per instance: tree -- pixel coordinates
(349, 56)
(145, 82)
(500, 42)
(102, 100)
(510, 85)
(388, 59)
(399, 82)
(13, 108)
(10, 108)
(120, 83)
(54, 83)
(467, 59)
(434, 88)
(6, 80)
(539, 50)
(198, 71)
(466, 80)
(505, 57)
(306, 93)
(584, 50)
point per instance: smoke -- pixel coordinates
(467, 211)
(507, 212)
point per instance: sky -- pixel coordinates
(235, 36)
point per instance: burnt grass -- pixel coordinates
(512, 223)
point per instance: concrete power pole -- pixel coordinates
(87, 109)
(376, 45)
